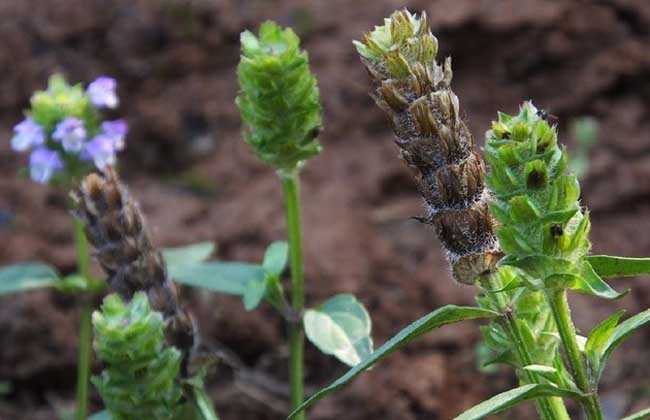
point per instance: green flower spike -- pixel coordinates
(279, 99)
(543, 231)
(140, 377)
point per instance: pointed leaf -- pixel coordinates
(224, 277)
(621, 332)
(26, 276)
(544, 371)
(204, 404)
(609, 266)
(340, 327)
(254, 293)
(602, 332)
(505, 358)
(188, 254)
(641, 415)
(275, 258)
(591, 283)
(513, 397)
(442, 316)
(598, 338)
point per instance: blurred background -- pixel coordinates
(185, 162)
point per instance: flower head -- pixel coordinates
(27, 134)
(278, 100)
(66, 130)
(43, 164)
(116, 130)
(102, 92)
(101, 150)
(71, 133)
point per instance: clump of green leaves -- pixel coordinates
(279, 99)
(140, 379)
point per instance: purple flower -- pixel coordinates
(116, 130)
(101, 150)
(102, 92)
(43, 163)
(71, 133)
(27, 134)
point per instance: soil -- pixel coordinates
(196, 180)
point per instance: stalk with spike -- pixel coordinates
(415, 92)
(135, 270)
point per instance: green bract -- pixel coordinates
(278, 99)
(60, 100)
(404, 40)
(140, 377)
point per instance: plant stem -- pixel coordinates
(85, 334)
(204, 404)
(291, 188)
(548, 408)
(562, 314)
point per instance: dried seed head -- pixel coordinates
(414, 90)
(116, 228)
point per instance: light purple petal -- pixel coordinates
(102, 92)
(43, 164)
(101, 149)
(116, 130)
(71, 133)
(27, 134)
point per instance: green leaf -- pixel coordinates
(598, 338)
(641, 415)
(254, 293)
(621, 332)
(442, 316)
(203, 402)
(608, 266)
(547, 372)
(101, 415)
(589, 282)
(73, 283)
(340, 327)
(224, 277)
(188, 254)
(513, 397)
(275, 258)
(26, 276)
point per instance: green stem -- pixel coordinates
(85, 334)
(204, 404)
(548, 408)
(290, 185)
(562, 314)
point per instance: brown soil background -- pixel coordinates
(196, 180)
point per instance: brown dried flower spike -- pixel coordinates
(116, 228)
(424, 112)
